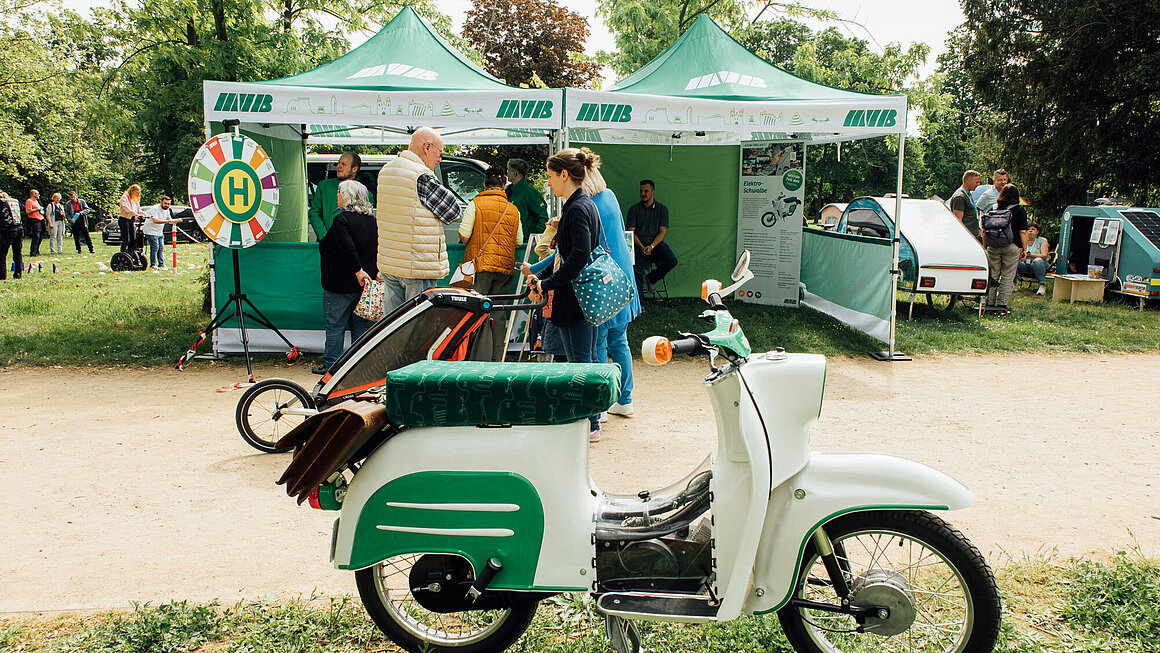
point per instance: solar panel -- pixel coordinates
(1148, 222)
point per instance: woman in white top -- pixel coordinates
(1035, 261)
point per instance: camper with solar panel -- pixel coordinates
(1118, 244)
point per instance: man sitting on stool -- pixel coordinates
(649, 221)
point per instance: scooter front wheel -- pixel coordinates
(932, 588)
(385, 589)
(262, 416)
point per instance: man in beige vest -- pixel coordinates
(413, 207)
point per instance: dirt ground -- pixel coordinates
(130, 485)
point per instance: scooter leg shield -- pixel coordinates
(831, 485)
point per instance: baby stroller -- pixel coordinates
(134, 256)
(438, 324)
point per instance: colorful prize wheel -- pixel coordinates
(233, 189)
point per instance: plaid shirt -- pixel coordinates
(438, 198)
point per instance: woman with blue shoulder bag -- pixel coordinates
(576, 237)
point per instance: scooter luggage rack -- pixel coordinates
(434, 325)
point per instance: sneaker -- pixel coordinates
(649, 286)
(1042, 290)
(603, 417)
(624, 410)
(594, 436)
(318, 369)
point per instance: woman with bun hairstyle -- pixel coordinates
(576, 237)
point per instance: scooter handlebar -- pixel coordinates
(658, 350)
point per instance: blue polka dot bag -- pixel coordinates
(602, 288)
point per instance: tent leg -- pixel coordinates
(891, 354)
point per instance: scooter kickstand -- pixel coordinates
(622, 633)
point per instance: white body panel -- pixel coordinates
(740, 485)
(554, 459)
(833, 484)
(788, 391)
(941, 243)
(940, 239)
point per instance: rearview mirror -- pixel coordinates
(742, 266)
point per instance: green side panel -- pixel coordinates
(830, 261)
(468, 393)
(699, 187)
(283, 281)
(289, 159)
(477, 515)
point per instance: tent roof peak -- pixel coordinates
(707, 62)
(405, 55)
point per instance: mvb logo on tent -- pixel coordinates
(252, 102)
(871, 118)
(724, 77)
(525, 109)
(400, 69)
(594, 112)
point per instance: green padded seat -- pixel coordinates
(469, 393)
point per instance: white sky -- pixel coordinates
(884, 21)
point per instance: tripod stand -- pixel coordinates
(236, 298)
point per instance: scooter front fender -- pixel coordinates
(831, 485)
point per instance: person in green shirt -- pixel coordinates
(324, 204)
(533, 210)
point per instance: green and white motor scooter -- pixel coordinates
(460, 522)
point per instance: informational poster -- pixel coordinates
(769, 219)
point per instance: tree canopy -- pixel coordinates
(522, 40)
(1075, 90)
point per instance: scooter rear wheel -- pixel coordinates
(939, 592)
(386, 595)
(260, 417)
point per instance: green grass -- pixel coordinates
(1049, 607)
(86, 315)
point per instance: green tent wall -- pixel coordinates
(699, 187)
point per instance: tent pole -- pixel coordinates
(895, 272)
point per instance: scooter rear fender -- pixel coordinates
(831, 485)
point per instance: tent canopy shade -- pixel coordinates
(709, 89)
(404, 77)
(406, 54)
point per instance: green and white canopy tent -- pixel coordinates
(404, 77)
(707, 90)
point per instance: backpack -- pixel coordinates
(8, 218)
(997, 227)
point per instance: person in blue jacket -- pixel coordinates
(612, 336)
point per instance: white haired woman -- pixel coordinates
(347, 256)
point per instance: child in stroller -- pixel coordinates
(133, 257)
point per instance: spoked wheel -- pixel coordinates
(937, 592)
(768, 219)
(262, 415)
(385, 589)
